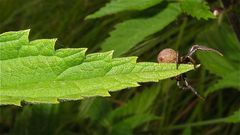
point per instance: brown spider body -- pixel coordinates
(167, 55)
(171, 56)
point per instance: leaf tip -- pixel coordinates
(134, 58)
(88, 17)
(111, 52)
(27, 30)
(53, 39)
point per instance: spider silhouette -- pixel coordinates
(169, 55)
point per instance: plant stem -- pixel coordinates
(181, 33)
(232, 15)
(202, 123)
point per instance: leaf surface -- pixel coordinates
(140, 104)
(231, 80)
(34, 72)
(116, 6)
(216, 64)
(223, 39)
(126, 126)
(235, 118)
(196, 8)
(131, 32)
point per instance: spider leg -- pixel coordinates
(191, 60)
(194, 48)
(179, 80)
(185, 85)
(180, 85)
(192, 89)
(177, 61)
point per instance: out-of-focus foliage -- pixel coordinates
(235, 118)
(227, 67)
(222, 38)
(140, 28)
(131, 32)
(196, 8)
(166, 108)
(116, 6)
(230, 80)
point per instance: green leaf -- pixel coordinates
(223, 39)
(138, 105)
(131, 32)
(95, 108)
(135, 112)
(196, 8)
(216, 64)
(235, 118)
(187, 131)
(44, 117)
(34, 72)
(230, 80)
(116, 6)
(126, 126)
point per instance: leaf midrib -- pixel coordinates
(131, 73)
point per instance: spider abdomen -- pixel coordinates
(167, 55)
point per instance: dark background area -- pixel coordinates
(153, 108)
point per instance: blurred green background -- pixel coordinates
(153, 108)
